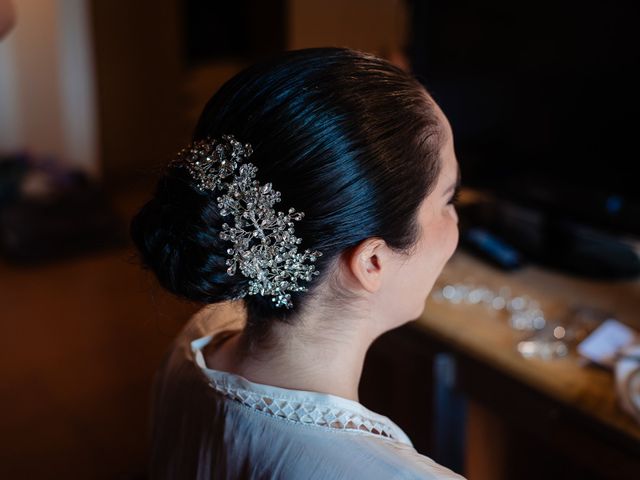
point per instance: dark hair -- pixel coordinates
(348, 138)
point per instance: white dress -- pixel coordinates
(211, 424)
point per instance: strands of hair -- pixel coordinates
(346, 137)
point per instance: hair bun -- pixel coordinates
(176, 235)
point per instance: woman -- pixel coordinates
(263, 381)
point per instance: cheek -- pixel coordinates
(438, 245)
(441, 239)
(415, 278)
(454, 236)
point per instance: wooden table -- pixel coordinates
(562, 404)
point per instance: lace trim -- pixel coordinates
(325, 411)
(304, 412)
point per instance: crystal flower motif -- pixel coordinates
(265, 247)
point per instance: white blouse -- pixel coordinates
(211, 424)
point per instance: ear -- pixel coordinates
(366, 262)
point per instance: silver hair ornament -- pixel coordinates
(265, 248)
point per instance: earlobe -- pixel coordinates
(366, 263)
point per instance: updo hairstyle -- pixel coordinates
(347, 138)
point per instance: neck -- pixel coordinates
(300, 357)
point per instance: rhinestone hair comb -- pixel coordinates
(265, 247)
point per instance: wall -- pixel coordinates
(376, 26)
(47, 98)
(140, 77)
(128, 117)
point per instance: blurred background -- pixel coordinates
(519, 367)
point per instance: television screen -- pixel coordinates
(543, 98)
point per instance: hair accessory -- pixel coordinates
(265, 248)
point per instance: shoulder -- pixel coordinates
(418, 466)
(353, 456)
(404, 462)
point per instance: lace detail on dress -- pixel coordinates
(305, 412)
(302, 407)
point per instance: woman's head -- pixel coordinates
(352, 141)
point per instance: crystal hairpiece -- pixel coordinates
(264, 243)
